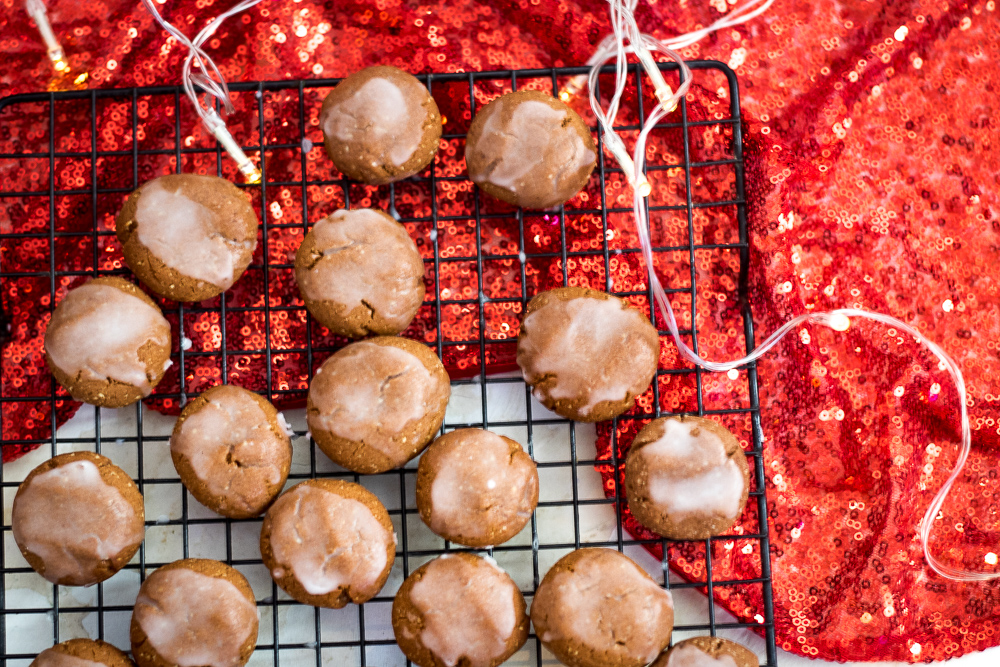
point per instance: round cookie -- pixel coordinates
(597, 608)
(232, 451)
(380, 125)
(82, 653)
(686, 478)
(375, 404)
(459, 609)
(586, 354)
(107, 343)
(707, 652)
(78, 518)
(328, 542)
(194, 612)
(476, 488)
(360, 273)
(187, 237)
(529, 149)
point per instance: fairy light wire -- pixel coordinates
(36, 9)
(839, 320)
(210, 79)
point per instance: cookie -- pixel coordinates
(194, 612)
(375, 404)
(459, 609)
(476, 488)
(232, 451)
(107, 343)
(529, 149)
(78, 518)
(328, 542)
(586, 354)
(597, 608)
(380, 125)
(707, 652)
(82, 653)
(686, 478)
(360, 273)
(187, 237)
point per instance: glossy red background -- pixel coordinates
(873, 183)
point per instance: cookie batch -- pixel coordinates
(373, 406)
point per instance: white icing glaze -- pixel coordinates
(369, 388)
(468, 610)
(72, 519)
(378, 112)
(97, 331)
(328, 541)
(690, 655)
(466, 498)
(361, 265)
(586, 344)
(53, 658)
(690, 474)
(195, 620)
(607, 604)
(186, 235)
(530, 138)
(232, 449)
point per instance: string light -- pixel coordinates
(624, 28)
(36, 10)
(210, 79)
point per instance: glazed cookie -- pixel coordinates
(597, 608)
(82, 653)
(586, 354)
(194, 612)
(328, 542)
(459, 609)
(707, 652)
(187, 237)
(375, 404)
(686, 478)
(380, 125)
(107, 343)
(232, 451)
(476, 488)
(529, 149)
(360, 273)
(78, 518)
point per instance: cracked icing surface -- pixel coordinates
(186, 235)
(193, 619)
(364, 258)
(594, 349)
(479, 487)
(468, 610)
(97, 330)
(73, 520)
(690, 473)
(232, 449)
(328, 541)
(692, 656)
(379, 112)
(606, 604)
(369, 392)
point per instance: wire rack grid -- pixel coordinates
(136, 438)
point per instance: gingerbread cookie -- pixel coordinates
(107, 343)
(707, 652)
(586, 354)
(82, 653)
(188, 237)
(686, 478)
(78, 519)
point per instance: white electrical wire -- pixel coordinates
(624, 27)
(210, 79)
(36, 10)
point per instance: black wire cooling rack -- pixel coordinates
(293, 634)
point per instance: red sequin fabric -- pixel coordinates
(871, 136)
